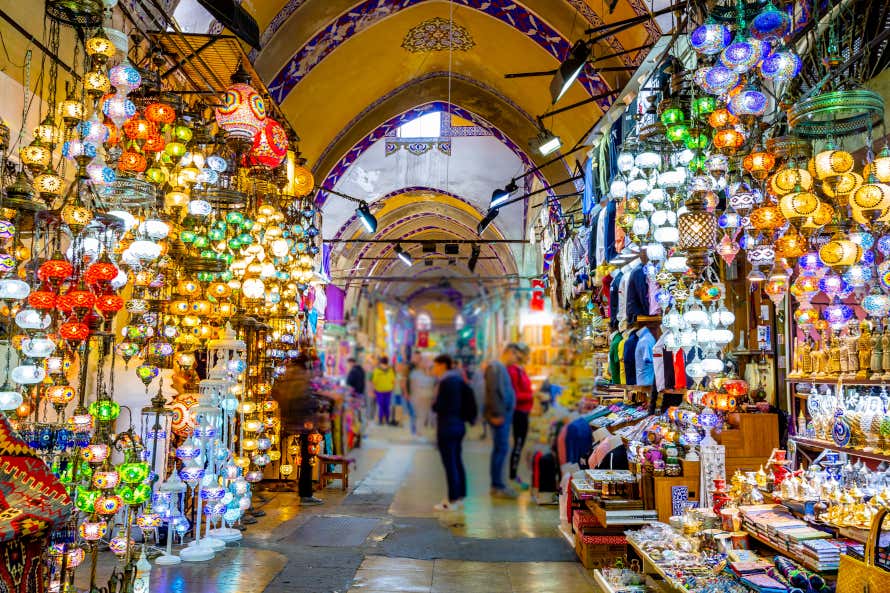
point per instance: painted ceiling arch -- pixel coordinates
(560, 15)
(474, 102)
(350, 158)
(369, 13)
(371, 65)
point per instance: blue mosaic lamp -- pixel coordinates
(710, 38)
(743, 54)
(749, 102)
(781, 66)
(717, 80)
(770, 23)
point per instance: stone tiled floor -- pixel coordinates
(401, 575)
(410, 548)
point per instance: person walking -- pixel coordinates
(477, 383)
(421, 386)
(500, 400)
(454, 405)
(383, 379)
(404, 386)
(525, 399)
(302, 411)
(355, 378)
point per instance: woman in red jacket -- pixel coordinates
(522, 385)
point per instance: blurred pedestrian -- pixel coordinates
(454, 405)
(422, 388)
(383, 379)
(525, 399)
(500, 401)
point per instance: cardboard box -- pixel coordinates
(599, 551)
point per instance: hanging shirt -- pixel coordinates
(605, 240)
(613, 300)
(637, 294)
(658, 365)
(643, 357)
(679, 370)
(605, 291)
(588, 196)
(592, 239)
(630, 358)
(623, 290)
(614, 359)
(622, 370)
(652, 285)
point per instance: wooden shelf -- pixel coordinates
(649, 564)
(835, 381)
(803, 561)
(819, 444)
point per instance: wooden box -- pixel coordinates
(664, 493)
(600, 551)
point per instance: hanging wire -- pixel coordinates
(448, 105)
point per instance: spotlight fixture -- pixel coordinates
(404, 256)
(546, 142)
(569, 71)
(499, 196)
(486, 221)
(368, 220)
(474, 257)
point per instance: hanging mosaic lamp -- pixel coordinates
(710, 38)
(770, 24)
(781, 66)
(269, 146)
(742, 54)
(879, 167)
(840, 252)
(243, 111)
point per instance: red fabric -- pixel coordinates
(604, 539)
(607, 284)
(536, 470)
(522, 385)
(679, 370)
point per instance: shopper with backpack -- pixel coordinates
(454, 405)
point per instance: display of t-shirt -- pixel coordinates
(613, 300)
(623, 290)
(643, 357)
(614, 362)
(622, 369)
(630, 358)
(654, 308)
(679, 370)
(637, 294)
(663, 365)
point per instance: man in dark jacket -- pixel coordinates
(301, 409)
(356, 377)
(452, 394)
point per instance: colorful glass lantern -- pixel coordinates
(750, 102)
(243, 111)
(829, 164)
(99, 47)
(787, 180)
(767, 217)
(797, 206)
(160, 113)
(759, 164)
(728, 139)
(125, 77)
(710, 38)
(269, 145)
(880, 167)
(742, 54)
(781, 66)
(770, 24)
(840, 252)
(718, 80)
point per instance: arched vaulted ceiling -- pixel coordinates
(347, 72)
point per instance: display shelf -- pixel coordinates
(649, 567)
(805, 562)
(819, 444)
(835, 380)
(602, 583)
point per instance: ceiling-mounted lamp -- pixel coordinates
(404, 256)
(369, 221)
(486, 221)
(474, 257)
(546, 142)
(569, 71)
(499, 196)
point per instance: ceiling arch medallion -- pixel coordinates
(438, 34)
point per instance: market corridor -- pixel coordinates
(384, 536)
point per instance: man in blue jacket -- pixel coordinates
(500, 401)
